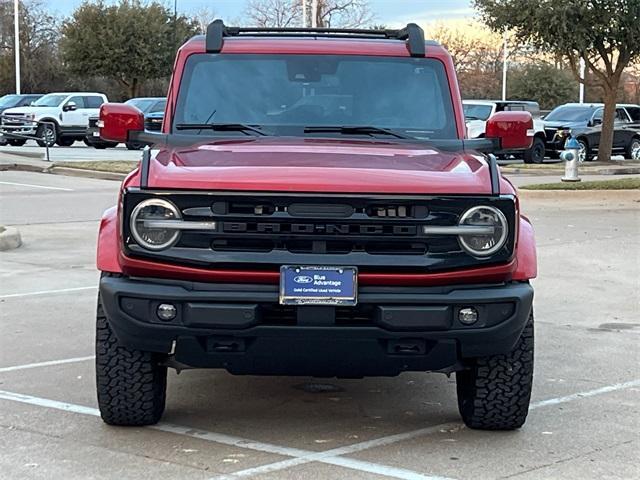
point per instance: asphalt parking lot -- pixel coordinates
(583, 424)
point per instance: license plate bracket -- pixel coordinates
(318, 285)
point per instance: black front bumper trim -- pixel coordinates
(243, 329)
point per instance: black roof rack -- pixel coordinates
(412, 33)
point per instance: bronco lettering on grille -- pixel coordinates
(319, 228)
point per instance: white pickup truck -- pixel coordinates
(476, 113)
(57, 118)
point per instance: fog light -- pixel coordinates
(468, 315)
(166, 312)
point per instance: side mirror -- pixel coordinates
(117, 120)
(514, 130)
(596, 121)
(70, 107)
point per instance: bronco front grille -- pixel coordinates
(265, 231)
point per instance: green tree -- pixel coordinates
(130, 42)
(605, 33)
(543, 83)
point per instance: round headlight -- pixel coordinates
(148, 212)
(482, 245)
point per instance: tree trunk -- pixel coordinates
(606, 136)
(134, 88)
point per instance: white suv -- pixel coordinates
(62, 118)
(476, 113)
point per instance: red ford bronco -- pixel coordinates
(314, 208)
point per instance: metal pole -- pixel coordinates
(16, 44)
(504, 67)
(304, 13)
(314, 13)
(582, 77)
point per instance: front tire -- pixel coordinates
(133, 146)
(16, 142)
(536, 153)
(131, 384)
(494, 393)
(584, 154)
(48, 135)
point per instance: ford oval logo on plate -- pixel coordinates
(303, 279)
(318, 285)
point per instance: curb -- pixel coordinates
(557, 171)
(17, 153)
(81, 172)
(25, 167)
(9, 238)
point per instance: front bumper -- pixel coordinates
(243, 329)
(9, 131)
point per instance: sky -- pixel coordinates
(393, 13)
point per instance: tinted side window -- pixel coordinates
(514, 108)
(621, 115)
(79, 101)
(93, 102)
(634, 113)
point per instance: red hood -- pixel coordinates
(319, 165)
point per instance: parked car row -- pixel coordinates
(581, 121)
(65, 117)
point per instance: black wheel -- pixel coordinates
(99, 146)
(584, 154)
(633, 149)
(48, 135)
(131, 384)
(133, 146)
(65, 141)
(16, 142)
(494, 393)
(536, 153)
(86, 142)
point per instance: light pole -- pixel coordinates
(582, 79)
(504, 67)
(314, 13)
(16, 43)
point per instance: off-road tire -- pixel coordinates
(65, 141)
(131, 384)
(51, 138)
(633, 144)
(535, 154)
(16, 142)
(494, 393)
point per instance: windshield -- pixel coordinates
(51, 100)
(569, 113)
(401, 94)
(9, 100)
(477, 111)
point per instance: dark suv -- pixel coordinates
(584, 122)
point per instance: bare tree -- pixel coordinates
(330, 13)
(274, 13)
(343, 13)
(203, 17)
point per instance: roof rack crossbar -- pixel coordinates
(412, 33)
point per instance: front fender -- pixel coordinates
(526, 257)
(108, 242)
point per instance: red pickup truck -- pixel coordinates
(314, 208)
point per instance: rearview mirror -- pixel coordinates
(118, 121)
(514, 130)
(70, 107)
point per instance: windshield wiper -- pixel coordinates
(221, 127)
(356, 130)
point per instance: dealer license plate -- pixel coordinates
(96, 134)
(318, 285)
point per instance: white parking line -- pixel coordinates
(299, 456)
(48, 292)
(45, 364)
(37, 186)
